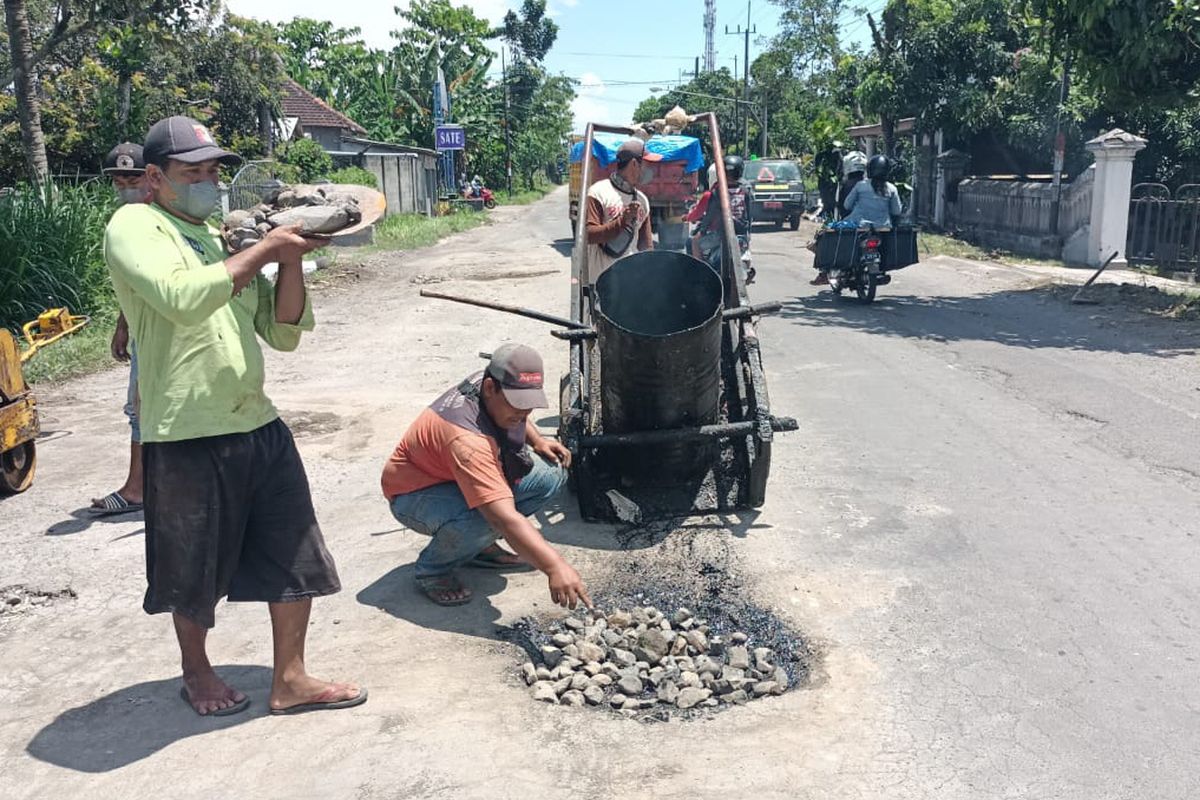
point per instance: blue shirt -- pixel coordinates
(868, 206)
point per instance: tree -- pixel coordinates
(1138, 53)
(25, 81)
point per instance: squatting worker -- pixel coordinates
(464, 475)
(228, 508)
(618, 213)
(126, 168)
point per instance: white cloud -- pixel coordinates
(569, 3)
(589, 109)
(591, 84)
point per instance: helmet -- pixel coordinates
(879, 167)
(854, 161)
(734, 166)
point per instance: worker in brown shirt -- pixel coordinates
(618, 213)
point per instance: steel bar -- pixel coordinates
(520, 312)
(723, 431)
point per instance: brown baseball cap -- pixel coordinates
(518, 370)
(184, 139)
(635, 148)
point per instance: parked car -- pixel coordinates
(778, 191)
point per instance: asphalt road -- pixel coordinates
(985, 528)
(1024, 474)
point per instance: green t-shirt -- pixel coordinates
(200, 367)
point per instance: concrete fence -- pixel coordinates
(1019, 216)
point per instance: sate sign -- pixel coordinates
(450, 137)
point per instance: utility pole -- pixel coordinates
(1060, 143)
(710, 25)
(507, 131)
(762, 147)
(745, 74)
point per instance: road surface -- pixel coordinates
(986, 527)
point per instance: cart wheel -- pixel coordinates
(16, 468)
(866, 288)
(795, 222)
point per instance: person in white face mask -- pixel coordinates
(227, 502)
(125, 166)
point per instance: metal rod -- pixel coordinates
(741, 312)
(725, 431)
(520, 312)
(1075, 297)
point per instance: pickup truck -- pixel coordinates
(778, 193)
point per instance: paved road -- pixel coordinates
(1023, 477)
(986, 527)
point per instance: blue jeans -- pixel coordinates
(132, 401)
(460, 533)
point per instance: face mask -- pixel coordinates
(127, 196)
(196, 200)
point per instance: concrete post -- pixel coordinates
(1114, 153)
(951, 167)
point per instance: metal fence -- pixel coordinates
(1164, 232)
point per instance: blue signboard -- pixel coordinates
(450, 137)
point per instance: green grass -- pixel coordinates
(79, 354)
(934, 244)
(525, 197)
(413, 231)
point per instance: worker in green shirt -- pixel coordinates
(227, 504)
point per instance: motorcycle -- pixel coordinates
(865, 273)
(476, 192)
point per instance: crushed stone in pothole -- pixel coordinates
(644, 662)
(18, 598)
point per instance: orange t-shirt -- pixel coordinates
(435, 451)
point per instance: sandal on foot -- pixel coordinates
(236, 708)
(438, 588)
(322, 703)
(496, 557)
(113, 504)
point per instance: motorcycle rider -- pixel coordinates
(876, 201)
(708, 232)
(854, 165)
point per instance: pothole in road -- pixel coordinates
(312, 423)
(18, 599)
(676, 635)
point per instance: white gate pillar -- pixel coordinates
(1114, 153)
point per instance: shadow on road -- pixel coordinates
(136, 722)
(1031, 318)
(564, 246)
(82, 519)
(396, 593)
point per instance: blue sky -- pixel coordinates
(616, 63)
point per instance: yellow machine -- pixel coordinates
(18, 410)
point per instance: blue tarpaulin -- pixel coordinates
(671, 148)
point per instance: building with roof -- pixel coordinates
(305, 114)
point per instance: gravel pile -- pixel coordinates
(640, 660)
(321, 210)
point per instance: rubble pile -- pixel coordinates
(320, 210)
(641, 660)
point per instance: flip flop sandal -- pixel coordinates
(441, 585)
(317, 704)
(236, 708)
(491, 559)
(113, 504)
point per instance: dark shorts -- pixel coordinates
(231, 516)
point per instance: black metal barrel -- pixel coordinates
(658, 317)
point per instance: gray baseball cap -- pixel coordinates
(124, 159)
(635, 148)
(518, 370)
(184, 139)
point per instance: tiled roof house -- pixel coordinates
(305, 114)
